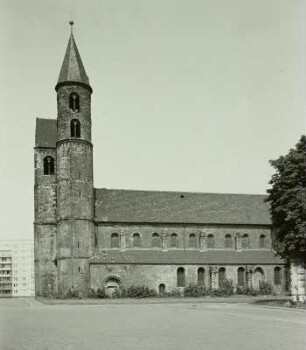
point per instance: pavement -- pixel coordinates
(28, 324)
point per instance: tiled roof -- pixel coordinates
(185, 257)
(46, 132)
(72, 68)
(180, 207)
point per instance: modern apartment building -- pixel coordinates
(17, 268)
(6, 289)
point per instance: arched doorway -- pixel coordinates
(112, 285)
(162, 289)
(258, 277)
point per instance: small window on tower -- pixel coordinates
(48, 165)
(75, 128)
(74, 102)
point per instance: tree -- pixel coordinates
(287, 199)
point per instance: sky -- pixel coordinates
(189, 95)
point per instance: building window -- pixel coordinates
(262, 241)
(258, 277)
(74, 102)
(136, 240)
(221, 276)
(75, 128)
(201, 276)
(156, 240)
(181, 278)
(228, 241)
(115, 240)
(210, 241)
(277, 275)
(245, 243)
(48, 165)
(241, 277)
(192, 240)
(173, 241)
(162, 289)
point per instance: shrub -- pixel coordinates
(92, 293)
(195, 291)
(101, 293)
(135, 292)
(247, 291)
(225, 289)
(265, 288)
(175, 293)
(72, 293)
(254, 292)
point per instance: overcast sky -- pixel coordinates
(189, 95)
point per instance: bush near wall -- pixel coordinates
(226, 289)
(265, 288)
(175, 293)
(135, 292)
(72, 293)
(192, 290)
(195, 291)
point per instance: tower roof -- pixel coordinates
(72, 68)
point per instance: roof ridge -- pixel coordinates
(181, 192)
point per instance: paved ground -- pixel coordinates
(27, 324)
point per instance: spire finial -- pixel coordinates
(71, 22)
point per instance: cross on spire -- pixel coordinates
(71, 22)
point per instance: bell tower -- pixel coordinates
(74, 173)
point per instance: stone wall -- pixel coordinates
(45, 225)
(126, 232)
(154, 275)
(65, 115)
(75, 203)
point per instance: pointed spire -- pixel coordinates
(72, 68)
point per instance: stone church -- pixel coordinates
(88, 238)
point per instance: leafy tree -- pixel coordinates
(287, 199)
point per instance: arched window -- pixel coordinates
(162, 289)
(48, 165)
(173, 240)
(277, 275)
(181, 278)
(115, 240)
(192, 240)
(228, 241)
(74, 102)
(262, 241)
(75, 128)
(136, 240)
(201, 276)
(156, 240)
(241, 277)
(210, 241)
(245, 244)
(221, 276)
(258, 277)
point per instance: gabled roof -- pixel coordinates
(46, 132)
(72, 68)
(185, 257)
(180, 207)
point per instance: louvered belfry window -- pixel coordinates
(74, 102)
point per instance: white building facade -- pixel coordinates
(22, 266)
